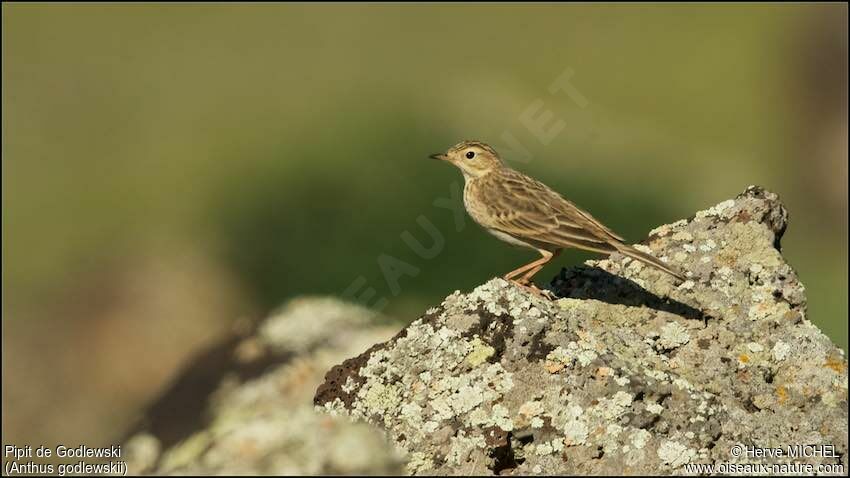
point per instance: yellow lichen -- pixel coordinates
(480, 352)
(781, 394)
(835, 364)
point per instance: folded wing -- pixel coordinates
(528, 209)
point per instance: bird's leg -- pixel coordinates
(510, 275)
(547, 256)
(529, 270)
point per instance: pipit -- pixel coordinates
(525, 212)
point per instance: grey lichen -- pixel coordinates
(628, 372)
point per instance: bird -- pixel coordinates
(523, 211)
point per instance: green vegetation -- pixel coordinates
(289, 142)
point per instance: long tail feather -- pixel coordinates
(650, 260)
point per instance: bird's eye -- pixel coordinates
(470, 155)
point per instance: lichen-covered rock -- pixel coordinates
(245, 406)
(627, 372)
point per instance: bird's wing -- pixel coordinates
(527, 209)
(569, 209)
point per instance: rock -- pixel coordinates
(627, 372)
(244, 407)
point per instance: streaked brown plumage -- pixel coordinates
(523, 211)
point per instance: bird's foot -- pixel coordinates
(529, 286)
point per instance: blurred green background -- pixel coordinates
(169, 169)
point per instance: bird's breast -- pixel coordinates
(472, 201)
(477, 202)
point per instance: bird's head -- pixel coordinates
(474, 158)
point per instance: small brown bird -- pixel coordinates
(525, 212)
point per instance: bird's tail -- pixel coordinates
(649, 260)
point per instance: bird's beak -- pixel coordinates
(439, 156)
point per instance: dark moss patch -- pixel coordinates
(494, 330)
(337, 376)
(504, 459)
(539, 348)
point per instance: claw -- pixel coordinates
(533, 289)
